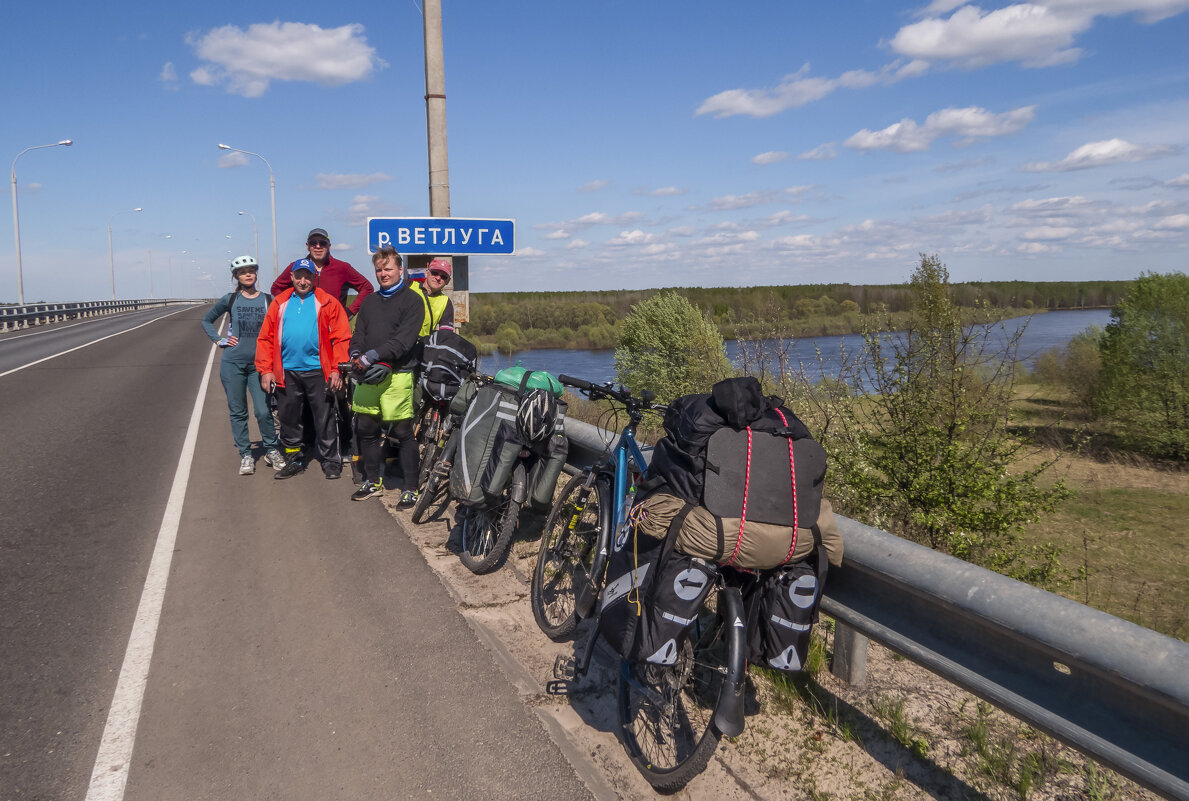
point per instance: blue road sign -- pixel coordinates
(445, 236)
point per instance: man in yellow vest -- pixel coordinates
(439, 311)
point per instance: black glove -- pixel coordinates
(376, 373)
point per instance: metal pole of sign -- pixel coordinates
(435, 110)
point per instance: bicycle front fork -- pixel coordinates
(728, 712)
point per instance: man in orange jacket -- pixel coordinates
(304, 337)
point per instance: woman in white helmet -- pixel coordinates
(245, 307)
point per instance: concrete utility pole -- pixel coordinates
(435, 109)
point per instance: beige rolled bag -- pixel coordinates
(762, 545)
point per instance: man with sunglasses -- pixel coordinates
(335, 277)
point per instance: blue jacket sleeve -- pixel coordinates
(213, 314)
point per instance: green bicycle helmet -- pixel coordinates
(240, 262)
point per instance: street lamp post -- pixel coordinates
(111, 258)
(16, 217)
(255, 233)
(272, 192)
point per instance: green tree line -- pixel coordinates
(515, 320)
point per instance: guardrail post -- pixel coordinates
(850, 655)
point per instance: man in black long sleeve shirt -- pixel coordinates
(387, 331)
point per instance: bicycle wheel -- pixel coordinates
(435, 494)
(566, 558)
(486, 532)
(429, 457)
(666, 711)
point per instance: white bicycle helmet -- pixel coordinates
(536, 416)
(240, 262)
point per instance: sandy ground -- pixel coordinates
(906, 735)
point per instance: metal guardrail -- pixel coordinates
(13, 317)
(1109, 688)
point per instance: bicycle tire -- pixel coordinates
(486, 532)
(429, 458)
(567, 548)
(437, 484)
(666, 712)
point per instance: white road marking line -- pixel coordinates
(92, 342)
(110, 774)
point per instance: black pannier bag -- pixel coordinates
(491, 446)
(653, 595)
(447, 359)
(781, 611)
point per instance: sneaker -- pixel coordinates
(292, 467)
(247, 465)
(407, 498)
(366, 490)
(274, 459)
(332, 470)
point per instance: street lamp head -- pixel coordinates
(240, 213)
(66, 142)
(138, 209)
(224, 147)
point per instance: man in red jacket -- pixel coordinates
(303, 339)
(334, 277)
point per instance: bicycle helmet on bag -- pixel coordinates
(536, 416)
(240, 262)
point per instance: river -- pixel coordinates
(1044, 331)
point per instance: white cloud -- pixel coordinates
(232, 159)
(247, 60)
(594, 186)
(1174, 222)
(1048, 233)
(799, 89)
(576, 244)
(1040, 33)
(1029, 33)
(169, 75)
(684, 230)
(592, 219)
(667, 191)
(771, 157)
(1100, 154)
(364, 206)
(1180, 182)
(824, 152)
(636, 237)
(350, 181)
(731, 202)
(559, 234)
(968, 124)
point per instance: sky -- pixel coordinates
(635, 144)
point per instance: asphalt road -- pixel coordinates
(304, 651)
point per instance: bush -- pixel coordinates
(667, 346)
(917, 435)
(1144, 383)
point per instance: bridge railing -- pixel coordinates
(1109, 688)
(13, 317)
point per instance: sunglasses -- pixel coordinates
(318, 243)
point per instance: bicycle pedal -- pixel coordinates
(558, 687)
(565, 668)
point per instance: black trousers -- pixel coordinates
(369, 432)
(302, 389)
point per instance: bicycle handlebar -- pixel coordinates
(620, 393)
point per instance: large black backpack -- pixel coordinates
(741, 455)
(447, 359)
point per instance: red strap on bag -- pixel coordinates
(746, 487)
(793, 473)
